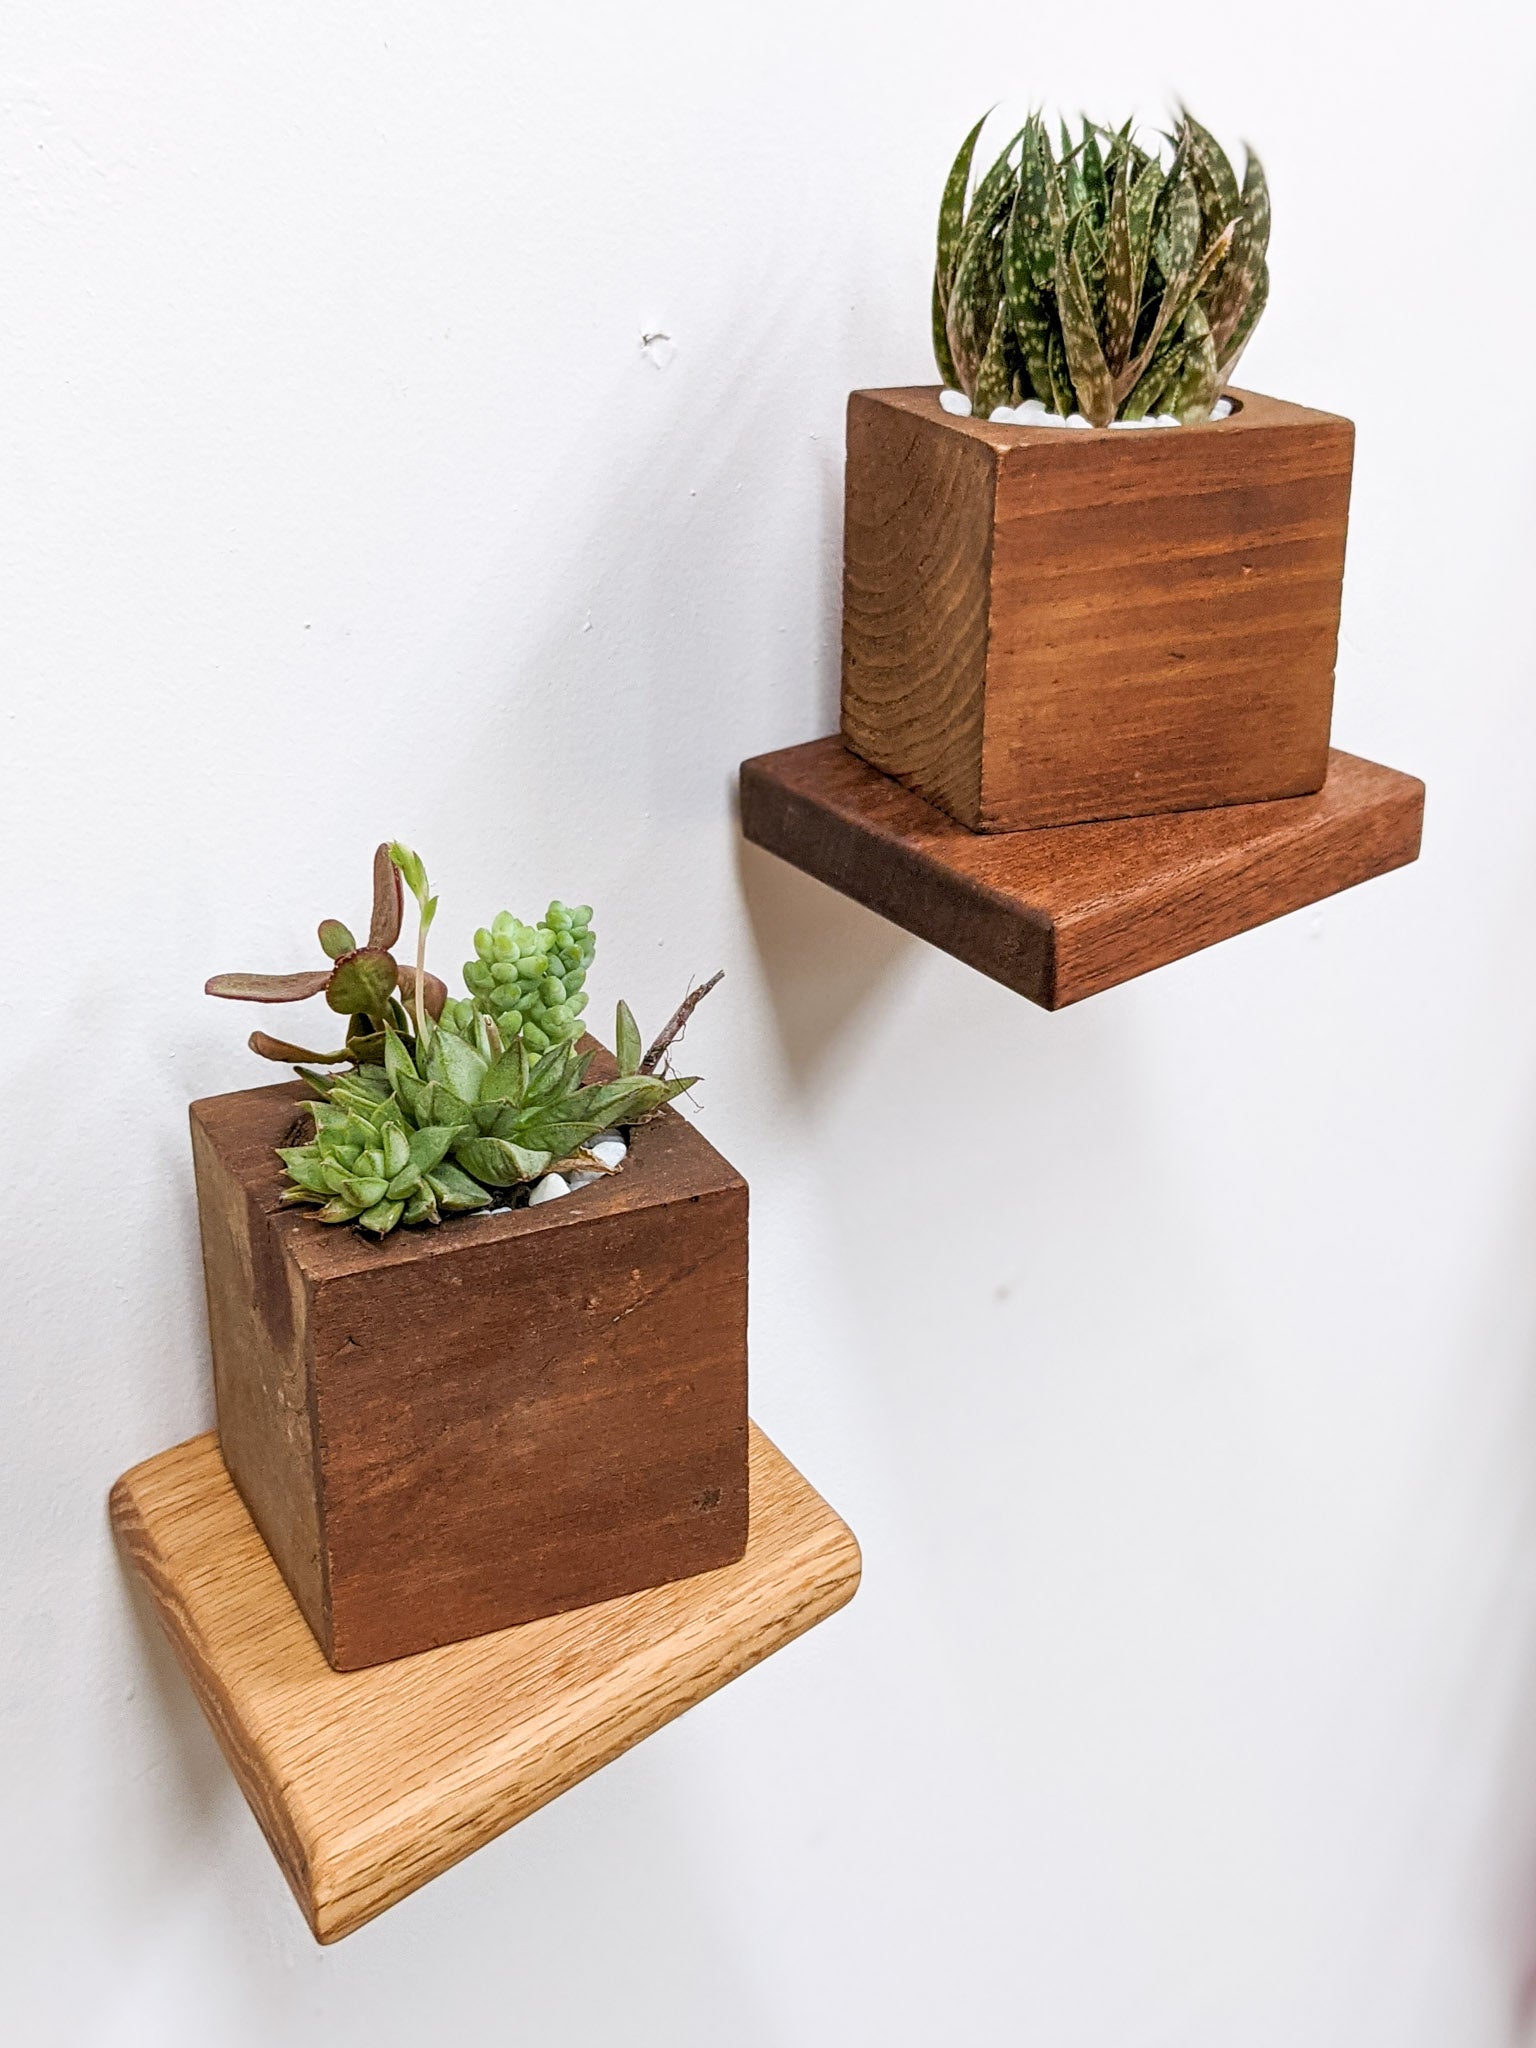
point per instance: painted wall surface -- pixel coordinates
(1174, 1358)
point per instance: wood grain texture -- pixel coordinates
(1064, 913)
(369, 1783)
(464, 1428)
(918, 518)
(1045, 628)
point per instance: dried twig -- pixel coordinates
(673, 1028)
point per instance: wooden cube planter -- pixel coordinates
(503, 1418)
(1044, 626)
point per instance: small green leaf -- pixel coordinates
(1183, 225)
(1126, 250)
(431, 1144)
(457, 1066)
(455, 1190)
(436, 1104)
(1095, 187)
(1091, 380)
(948, 374)
(994, 379)
(382, 1217)
(398, 1064)
(952, 219)
(335, 939)
(626, 1040)
(498, 1163)
(1215, 180)
(1195, 392)
(507, 1078)
(996, 185)
(548, 1076)
(361, 984)
(1258, 298)
(1073, 191)
(305, 1169)
(1240, 275)
(1043, 215)
(1027, 305)
(1063, 400)
(978, 285)
(411, 869)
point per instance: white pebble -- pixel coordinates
(1167, 419)
(1115, 425)
(1221, 409)
(584, 1180)
(1003, 416)
(610, 1150)
(1075, 419)
(955, 402)
(1030, 408)
(549, 1189)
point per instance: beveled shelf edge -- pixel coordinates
(349, 1774)
(1070, 910)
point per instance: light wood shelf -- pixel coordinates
(1067, 911)
(369, 1783)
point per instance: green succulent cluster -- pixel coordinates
(531, 978)
(367, 1165)
(445, 1107)
(490, 1115)
(1099, 281)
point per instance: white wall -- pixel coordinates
(1178, 1366)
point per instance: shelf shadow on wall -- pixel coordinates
(825, 961)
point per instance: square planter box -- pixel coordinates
(1044, 626)
(502, 1418)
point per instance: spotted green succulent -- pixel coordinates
(1099, 281)
(530, 978)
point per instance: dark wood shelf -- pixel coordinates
(1063, 913)
(368, 1783)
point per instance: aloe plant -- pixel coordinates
(438, 1106)
(1099, 280)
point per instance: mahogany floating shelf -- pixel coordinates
(1064, 912)
(368, 1783)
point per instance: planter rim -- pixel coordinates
(667, 1155)
(1252, 411)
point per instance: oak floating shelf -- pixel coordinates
(1067, 911)
(369, 1783)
